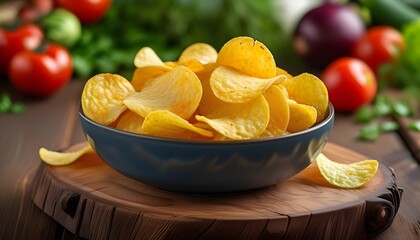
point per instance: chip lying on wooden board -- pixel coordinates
(235, 94)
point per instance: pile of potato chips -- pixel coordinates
(235, 94)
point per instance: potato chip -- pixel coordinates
(208, 100)
(280, 71)
(141, 75)
(146, 57)
(351, 175)
(238, 120)
(62, 158)
(164, 123)
(197, 55)
(279, 112)
(130, 122)
(310, 90)
(232, 86)
(248, 56)
(283, 89)
(302, 116)
(178, 91)
(103, 95)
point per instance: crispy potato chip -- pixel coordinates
(351, 175)
(238, 120)
(178, 91)
(163, 123)
(197, 55)
(310, 90)
(283, 89)
(141, 75)
(279, 112)
(103, 95)
(130, 122)
(232, 86)
(280, 71)
(62, 158)
(248, 56)
(208, 100)
(302, 116)
(146, 57)
(170, 64)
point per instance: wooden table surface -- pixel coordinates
(53, 123)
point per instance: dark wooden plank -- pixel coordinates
(47, 122)
(411, 138)
(391, 150)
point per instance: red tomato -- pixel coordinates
(350, 83)
(25, 37)
(379, 45)
(41, 73)
(32, 10)
(88, 11)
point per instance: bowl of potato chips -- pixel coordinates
(209, 122)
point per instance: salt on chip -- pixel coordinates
(197, 55)
(178, 91)
(141, 75)
(163, 123)
(130, 122)
(248, 56)
(302, 116)
(238, 120)
(103, 96)
(233, 86)
(351, 175)
(310, 90)
(279, 112)
(147, 57)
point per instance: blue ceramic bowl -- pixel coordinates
(204, 166)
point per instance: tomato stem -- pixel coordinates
(42, 47)
(13, 25)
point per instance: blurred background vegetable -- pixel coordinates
(327, 32)
(62, 27)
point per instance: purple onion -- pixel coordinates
(326, 33)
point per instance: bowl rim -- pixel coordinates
(321, 124)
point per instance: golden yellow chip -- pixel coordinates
(208, 99)
(283, 89)
(103, 95)
(279, 112)
(178, 91)
(62, 158)
(141, 75)
(238, 120)
(280, 71)
(170, 64)
(302, 116)
(351, 175)
(130, 122)
(197, 55)
(310, 90)
(248, 56)
(146, 57)
(163, 123)
(232, 86)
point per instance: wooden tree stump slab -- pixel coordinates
(93, 201)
